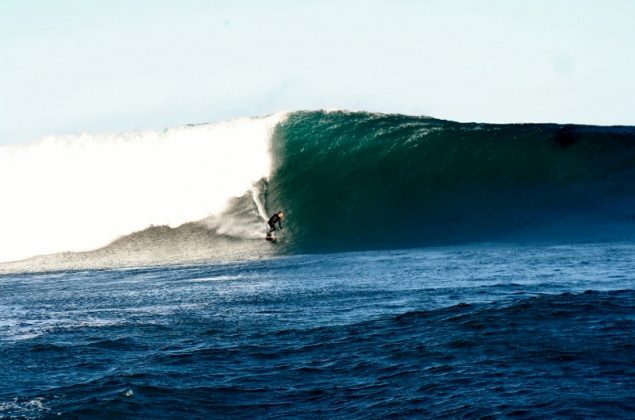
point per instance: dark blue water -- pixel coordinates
(534, 331)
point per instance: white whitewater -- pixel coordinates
(77, 193)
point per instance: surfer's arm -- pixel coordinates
(280, 224)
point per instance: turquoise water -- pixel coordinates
(351, 181)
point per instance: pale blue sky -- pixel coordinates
(70, 66)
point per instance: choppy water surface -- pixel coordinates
(537, 331)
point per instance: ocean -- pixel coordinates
(425, 268)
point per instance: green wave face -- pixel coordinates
(362, 181)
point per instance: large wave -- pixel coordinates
(346, 180)
(362, 180)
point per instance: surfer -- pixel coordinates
(276, 218)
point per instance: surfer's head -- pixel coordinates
(280, 214)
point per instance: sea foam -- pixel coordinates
(77, 193)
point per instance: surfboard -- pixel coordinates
(270, 238)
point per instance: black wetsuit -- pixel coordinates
(272, 222)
